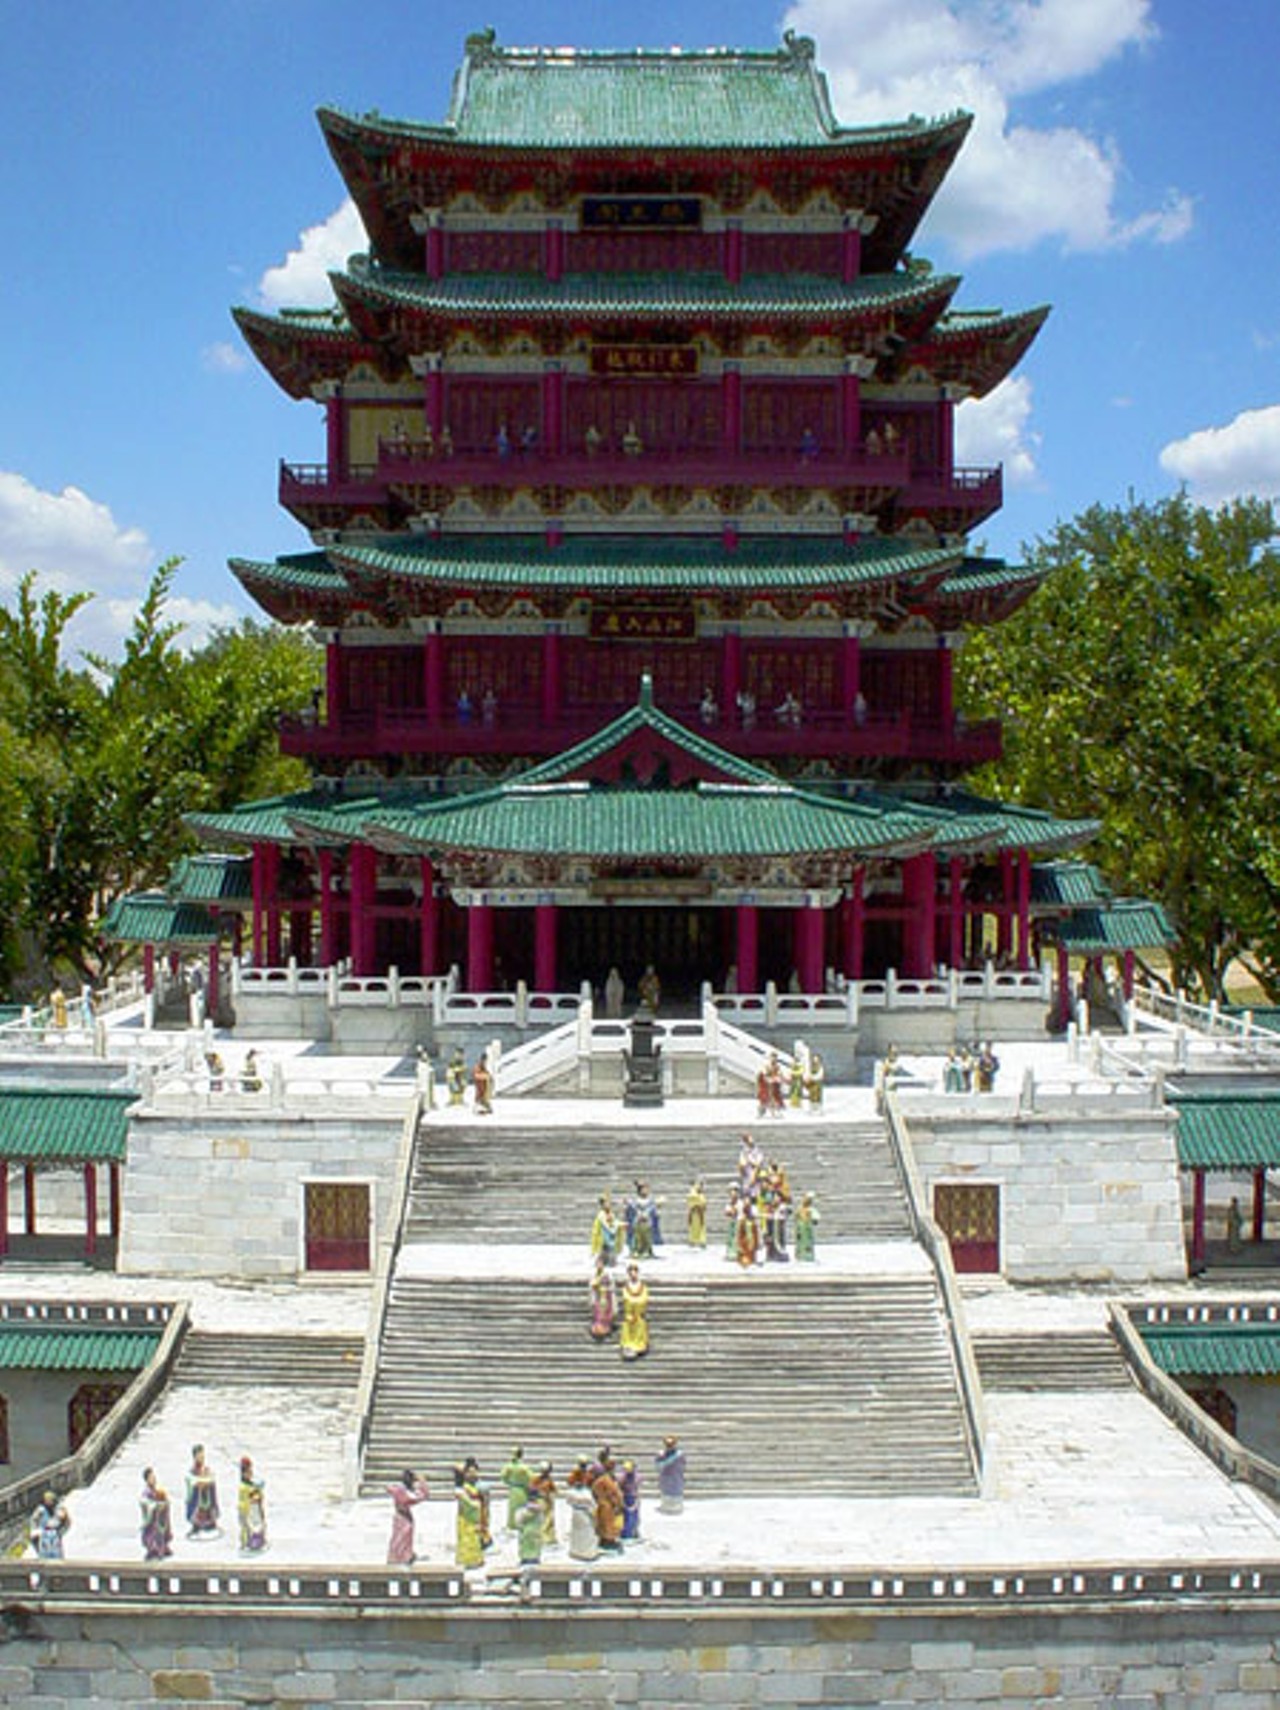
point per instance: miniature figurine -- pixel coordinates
(456, 1077)
(49, 1525)
(202, 1498)
(251, 1508)
(633, 1342)
(517, 1475)
(1235, 1227)
(544, 1488)
(584, 1546)
(815, 1079)
(157, 1523)
(806, 1225)
(483, 1079)
(405, 1496)
(608, 1498)
(606, 1233)
(604, 1302)
(629, 1484)
(469, 1539)
(530, 1537)
(697, 1215)
(671, 1468)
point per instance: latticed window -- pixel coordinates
(337, 1226)
(968, 1213)
(87, 1408)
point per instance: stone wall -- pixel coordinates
(209, 1193)
(1175, 1657)
(1085, 1195)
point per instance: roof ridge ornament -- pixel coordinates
(645, 702)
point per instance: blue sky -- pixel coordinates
(163, 162)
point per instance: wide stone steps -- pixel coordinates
(1054, 1360)
(495, 1184)
(262, 1360)
(834, 1385)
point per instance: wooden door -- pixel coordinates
(968, 1213)
(337, 1226)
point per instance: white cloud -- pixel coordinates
(301, 281)
(997, 429)
(73, 541)
(223, 358)
(1014, 185)
(1239, 460)
(101, 626)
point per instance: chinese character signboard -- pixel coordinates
(641, 213)
(666, 621)
(637, 359)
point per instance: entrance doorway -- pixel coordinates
(337, 1219)
(683, 944)
(968, 1213)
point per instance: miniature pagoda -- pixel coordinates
(640, 545)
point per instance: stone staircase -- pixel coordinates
(1052, 1360)
(473, 1182)
(836, 1386)
(266, 1361)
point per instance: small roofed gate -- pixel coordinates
(337, 1226)
(968, 1213)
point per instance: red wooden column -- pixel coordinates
(730, 676)
(1004, 908)
(851, 246)
(433, 672)
(4, 1207)
(113, 1190)
(429, 368)
(362, 867)
(553, 249)
(946, 685)
(90, 1210)
(955, 916)
(544, 947)
(747, 934)
(1126, 974)
(28, 1198)
(430, 225)
(149, 964)
(1197, 1218)
(429, 919)
(734, 251)
(213, 984)
(919, 887)
(330, 394)
(1259, 1204)
(850, 668)
(1024, 909)
(1064, 987)
(731, 407)
(810, 937)
(333, 700)
(551, 687)
(855, 924)
(324, 860)
(271, 900)
(553, 408)
(946, 435)
(479, 946)
(851, 404)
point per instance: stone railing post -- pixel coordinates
(393, 987)
(522, 1004)
(770, 1003)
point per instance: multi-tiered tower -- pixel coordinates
(639, 380)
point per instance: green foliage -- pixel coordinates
(1140, 685)
(98, 765)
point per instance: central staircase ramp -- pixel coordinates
(841, 1387)
(1053, 1360)
(270, 1361)
(499, 1184)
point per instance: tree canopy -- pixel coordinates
(1140, 684)
(98, 761)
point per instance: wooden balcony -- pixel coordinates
(521, 730)
(422, 482)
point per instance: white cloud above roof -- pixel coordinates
(1238, 460)
(301, 280)
(1015, 184)
(997, 429)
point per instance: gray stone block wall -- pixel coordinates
(1085, 1197)
(1176, 1658)
(214, 1195)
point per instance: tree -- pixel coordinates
(1139, 684)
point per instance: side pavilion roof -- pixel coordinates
(49, 1125)
(1227, 1130)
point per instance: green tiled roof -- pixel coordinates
(964, 818)
(610, 562)
(1227, 1131)
(273, 819)
(152, 917)
(48, 1125)
(1126, 923)
(310, 572)
(222, 879)
(639, 296)
(75, 1349)
(1068, 884)
(570, 98)
(977, 575)
(1215, 1350)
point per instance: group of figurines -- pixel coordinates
(794, 1087)
(602, 1493)
(970, 1069)
(203, 1513)
(483, 1080)
(761, 1210)
(641, 1228)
